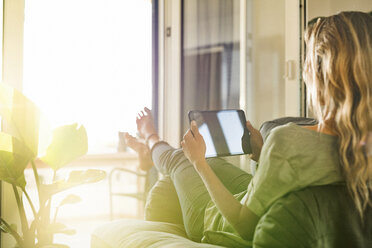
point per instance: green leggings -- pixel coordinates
(192, 194)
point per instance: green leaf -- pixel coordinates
(70, 199)
(4, 228)
(22, 117)
(14, 157)
(75, 178)
(69, 142)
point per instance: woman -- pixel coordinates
(338, 75)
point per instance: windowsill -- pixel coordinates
(109, 156)
(99, 160)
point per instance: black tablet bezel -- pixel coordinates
(243, 122)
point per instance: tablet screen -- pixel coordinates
(224, 132)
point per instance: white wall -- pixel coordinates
(266, 56)
(330, 7)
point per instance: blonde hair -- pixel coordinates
(338, 75)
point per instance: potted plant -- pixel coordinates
(19, 140)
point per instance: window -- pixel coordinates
(89, 61)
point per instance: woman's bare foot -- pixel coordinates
(144, 153)
(145, 124)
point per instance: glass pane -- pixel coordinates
(210, 61)
(211, 57)
(89, 61)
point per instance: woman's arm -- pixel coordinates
(239, 216)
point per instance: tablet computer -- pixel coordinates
(224, 132)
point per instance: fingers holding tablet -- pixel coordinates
(193, 145)
(256, 141)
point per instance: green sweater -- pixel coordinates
(291, 159)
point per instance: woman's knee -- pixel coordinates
(172, 159)
(178, 157)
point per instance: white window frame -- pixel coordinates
(12, 74)
(170, 71)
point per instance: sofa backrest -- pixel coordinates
(267, 126)
(322, 216)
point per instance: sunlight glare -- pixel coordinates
(89, 61)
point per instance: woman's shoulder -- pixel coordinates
(281, 139)
(285, 132)
(291, 138)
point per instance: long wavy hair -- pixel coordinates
(338, 76)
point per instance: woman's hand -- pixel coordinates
(256, 141)
(193, 146)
